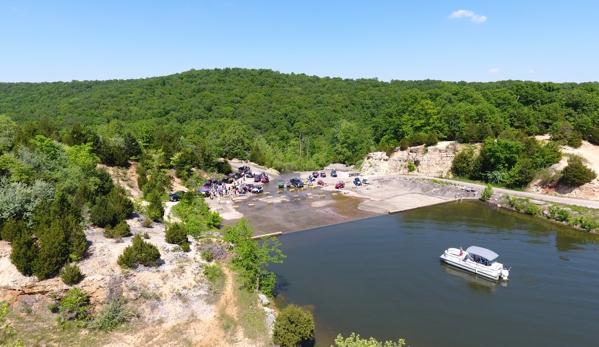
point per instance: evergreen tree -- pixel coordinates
(53, 251)
(155, 208)
(12, 229)
(139, 253)
(71, 274)
(177, 234)
(102, 213)
(24, 252)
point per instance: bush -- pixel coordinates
(411, 167)
(119, 231)
(293, 327)
(431, 139)
(24, 252)
(355, 341)
(206, 255)
(532, 209)
(462, 162)
(177, 234)
(71, 274)
(112, 315)
(487, 193)
(213, 272)
(576, 174)
(404, 144)
(563, 215)
(120, 203)
(417, 139)
(146, 222)
(75, 306)
(139, 253)
(155, 209)
(588, 223)
(102, 214)
(12, 229)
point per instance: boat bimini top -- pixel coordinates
(478, 252)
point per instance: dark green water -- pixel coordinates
(381, 277)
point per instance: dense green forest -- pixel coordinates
(291, 121)
(299, 122)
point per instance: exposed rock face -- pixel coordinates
(434, 161)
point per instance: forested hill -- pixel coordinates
(296, 121)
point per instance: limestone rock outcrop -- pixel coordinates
(434, 161)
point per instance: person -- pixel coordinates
(218, 200)
(461, 251)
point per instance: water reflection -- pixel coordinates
(474, 282)
(566, 242)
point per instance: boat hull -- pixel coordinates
(460, 259)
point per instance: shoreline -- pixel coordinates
(386, 194)
(291, 210)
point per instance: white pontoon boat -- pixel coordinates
(475, 259)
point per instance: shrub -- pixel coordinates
(355, 341)
(155, 209)
(112, 315)
(139, 253)
(431, 139)
(206, 255)
(293, 327)
(563, 215)
(213, 272)
(588, 223)
(411, 167)
(417, 139)
(177, 234)
(119, 231)
(71, 274)
(12, 229)
(120, 203)
(53, 251)
(102, 214)
(576, 174)
(487, 193)
(404, 144)
(532, 209)
(75, 306)
(462, 163)
(24, 252)
(146, 223)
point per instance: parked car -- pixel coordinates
(333, 173)
(296, 182)
(339, 185)
(174, 197)
(281, 184)
(257, 190)
(365, 180)
(320, 182)
(249, 174)
(315, 174)
(357, 181)
(257, 177)
(265, 179)
(323, 174)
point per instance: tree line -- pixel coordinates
(298, 122)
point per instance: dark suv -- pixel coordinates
(296, 182)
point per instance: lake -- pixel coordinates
(382, 277)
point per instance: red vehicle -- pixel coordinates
(339, 185)
(265, 179)
(320, 182)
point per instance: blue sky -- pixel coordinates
(404, 40)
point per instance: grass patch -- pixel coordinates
(216, 280)
(252, 318)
